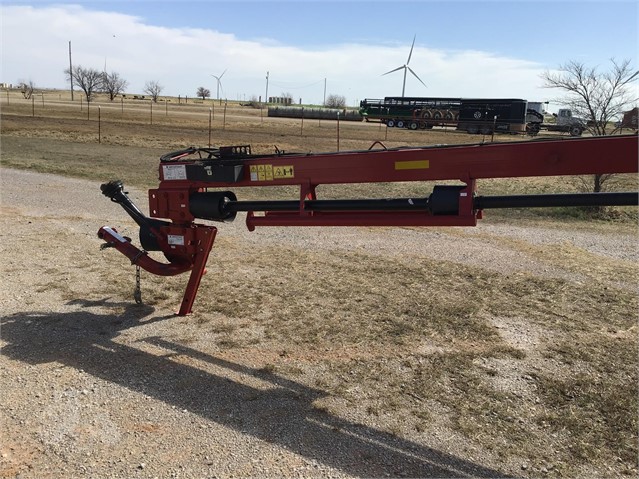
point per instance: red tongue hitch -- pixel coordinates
(186, 247)
(194, 184)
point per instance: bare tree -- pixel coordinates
(597, 97)
(26, 88)
(113, 84)
(89, 80)
(154, 89)
(203, 92)
(335, 101)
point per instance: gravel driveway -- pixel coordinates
(94, 386)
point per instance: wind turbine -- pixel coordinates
(405, 67)
(219, 83)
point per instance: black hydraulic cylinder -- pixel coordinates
(222, 206)
(397, 204)
(552, 200)
(213, 205)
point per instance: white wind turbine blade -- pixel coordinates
(406, 67)
(411, 50)
(415, 75)
(218, 83)
(396, 69)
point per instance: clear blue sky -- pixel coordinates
(530, 36)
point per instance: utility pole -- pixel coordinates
(266, 96)
(70, 70)
(324, 104)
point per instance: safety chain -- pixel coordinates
(137, 292)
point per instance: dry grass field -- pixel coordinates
(508, 350)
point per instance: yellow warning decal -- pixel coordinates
(268, 173)
(412, 165)
(282, 172)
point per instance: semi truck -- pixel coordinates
(562, 121)
(630, 119)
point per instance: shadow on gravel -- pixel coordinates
(282, 415)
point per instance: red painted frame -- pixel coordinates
(465, 163)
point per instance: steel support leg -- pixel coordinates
(205, 236)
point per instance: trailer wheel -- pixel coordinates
(426, 114)
(413, 125)
(437, 115)
(575, 131)
(390, 123)
(472, 129)
(486, 130)
(400, 124)
(532, 129)
(449, 115)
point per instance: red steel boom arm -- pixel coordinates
(190, 181)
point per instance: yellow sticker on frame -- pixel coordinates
(283, 172)
(412, 165)
(270, 172)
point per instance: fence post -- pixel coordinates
(210, 117)
(338, 131)
(224, 120)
